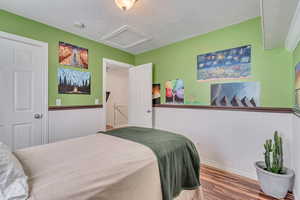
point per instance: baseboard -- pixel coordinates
(122, 126)
(296, 196)
(228, 169)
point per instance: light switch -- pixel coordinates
(58, 102)
(96, 101)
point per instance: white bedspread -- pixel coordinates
(98, 167)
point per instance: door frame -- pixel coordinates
(105, 63)
(44, 49)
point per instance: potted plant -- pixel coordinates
(275, 179)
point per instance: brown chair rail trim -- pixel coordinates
(53, 108)
(255, 109)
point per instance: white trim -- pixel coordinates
(104, 71)
(24, 40)
(296, 196)
(114, 62)
(293, 37)
(262, 23)
(44, 46)
(122, 126)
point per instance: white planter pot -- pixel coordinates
(275, 185)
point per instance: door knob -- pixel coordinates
(148, 111)
(38, 116)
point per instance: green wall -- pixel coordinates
(21, 26)
(272, 68)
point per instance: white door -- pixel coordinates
(140, 96)
(23, 63)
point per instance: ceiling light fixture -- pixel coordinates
(125, 4)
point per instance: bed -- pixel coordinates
(98, 167)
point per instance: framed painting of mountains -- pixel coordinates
(243, 94)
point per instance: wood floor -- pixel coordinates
(220, 185)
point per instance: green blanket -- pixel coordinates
(177, 157)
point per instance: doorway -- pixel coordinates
(127, 95)
(117, 80)
(115, 93)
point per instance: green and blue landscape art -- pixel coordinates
(226, 64)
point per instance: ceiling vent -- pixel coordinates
(125, 37)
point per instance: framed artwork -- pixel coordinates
(174, 91)
(243, 94)
(73, 81)
(156, 94)
(297, 78)
(73, 56)
(226, 64)
(297, 87)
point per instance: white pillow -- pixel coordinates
(13, 181)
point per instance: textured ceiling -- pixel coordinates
(161, 22)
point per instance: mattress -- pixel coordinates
(97, 167)
(177, 156)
